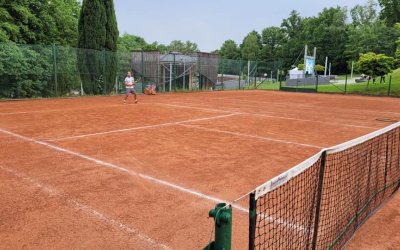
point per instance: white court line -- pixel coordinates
(123, 170)
(85, 208)
(142, 127)
(58, 110)
(264, 115)
(250, 136)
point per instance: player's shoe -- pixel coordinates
(124, 101)
(136, 101)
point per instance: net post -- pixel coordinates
(345, 85)
(222, 214)
(317, 82)
(319, 196)
(390, 84)
(252, 220)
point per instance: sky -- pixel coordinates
(210, 22)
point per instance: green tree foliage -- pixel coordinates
(271, 38)
(319, 68)
(24, 70)
(229, 50)
(27, 70)
(251, 46)
(364, 14)
(183, 47)
(39, 22)
(111, 45)
(375, 64)
(293, 39)
(97, 32)
(390, 11)
(369, 34)
(375, 37)
(328, 32)
(130, 42)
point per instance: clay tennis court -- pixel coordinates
(94, 173)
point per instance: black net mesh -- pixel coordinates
(323, 206)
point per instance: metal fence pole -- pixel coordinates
(55, 69)
(104, 72)
(222, 74)
(142, 70)
(390, 85)
(345, 85)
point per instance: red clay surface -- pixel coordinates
(94, 173)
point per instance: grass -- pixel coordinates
(265, 86)
(380, 89)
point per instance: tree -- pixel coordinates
(293, 39)
(375, 37)
(27, 70)
(271, 38)
(328, 32)
(39, 22)
(251, 46)
(183, 47)
(98, 33)
(375, 64)
(229, 50)
(130, 42)
(390, 12)
(364, 14)
(319, 68)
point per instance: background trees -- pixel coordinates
(98, 31)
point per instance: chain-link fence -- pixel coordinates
(29, 71)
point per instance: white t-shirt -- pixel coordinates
(130, 82)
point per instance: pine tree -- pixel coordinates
(98, 34)
(111, 44)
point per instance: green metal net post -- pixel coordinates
(390, 85)
(222, 215)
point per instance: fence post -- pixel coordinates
(345, 85)
(222, 214)
(175, 72)
(390, 84)
(222, 78)
(142, 69)
(104, 72)
(55, 69)
(319, 199)
(240, 71)
(317, 83)
(255, 76)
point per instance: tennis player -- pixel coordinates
(130, 87)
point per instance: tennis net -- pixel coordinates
(320, 203)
